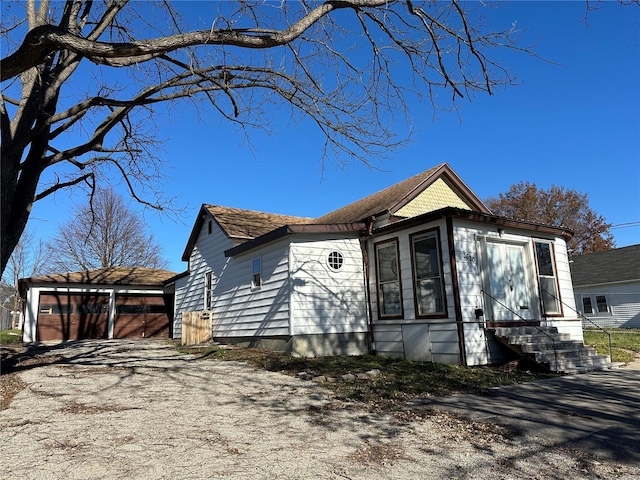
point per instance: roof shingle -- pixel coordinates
(619, 265)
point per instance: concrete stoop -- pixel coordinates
(553, 350)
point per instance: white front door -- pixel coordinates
(508, 282)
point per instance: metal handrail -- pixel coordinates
(584, 318)
(528, 322)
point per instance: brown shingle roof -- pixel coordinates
(619, 265)
(393, 198)
(248, 224)
(108, 276)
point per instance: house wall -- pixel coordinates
(328, 307)
(238, 310)
(410, 337)
(480, 347)
(623, 301)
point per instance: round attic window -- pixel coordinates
(335, 260)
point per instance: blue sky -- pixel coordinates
(574, 122)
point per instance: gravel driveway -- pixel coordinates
(139, 410)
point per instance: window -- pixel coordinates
(388, 279)
(210, 227)
(129, 309)
(586, 305)
(256, 279)
(208, 290)
(427, 274)
(91, 308)
(56, 309)
(547, 276)
(595, 305)
(601, 303)
(335, 260)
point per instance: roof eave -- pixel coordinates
(285, 230)
(474, 216)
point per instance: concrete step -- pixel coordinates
(535, 338)
(552, 349)
(524, 330)
(566, 353)
(548, 345)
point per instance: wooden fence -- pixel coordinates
(196, 328)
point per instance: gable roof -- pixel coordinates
(248, 224)
(106, 276)
(392, 199)
(619, 265)
(239, 224)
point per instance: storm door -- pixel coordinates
(508, 282)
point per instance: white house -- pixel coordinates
(421, 270)
(607, 287)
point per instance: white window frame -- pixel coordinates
(337, 257)
(380, 285)
(208, 290)
(434, 276)
(256, 273)
(545, 279)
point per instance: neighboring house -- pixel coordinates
(419, 270)
(115, 302)
(607, 287)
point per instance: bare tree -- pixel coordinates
(84, 79)
(560, 207)
(104, 233)
(29, 258)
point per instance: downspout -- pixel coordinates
(367, 290)
(456, 292)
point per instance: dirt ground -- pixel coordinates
(139, 410)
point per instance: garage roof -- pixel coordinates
(107, 276)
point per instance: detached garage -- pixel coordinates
(116, 302)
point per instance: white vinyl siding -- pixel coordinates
(436, 339)
(325, 300)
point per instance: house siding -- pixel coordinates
(479, 346)
(623, 300)
(323, 300)
(397, 337)
(238, 310)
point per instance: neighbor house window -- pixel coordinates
(595, 305)
(427, 274)
(586, 305)
(547, 277)
(208, 290)
(388, 279)
(601, 304)
(256, 279)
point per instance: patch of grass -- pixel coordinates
(399, 380)
(10, 336)
(623, 343)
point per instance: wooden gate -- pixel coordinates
(196, 328)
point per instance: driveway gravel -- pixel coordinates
(139, 410)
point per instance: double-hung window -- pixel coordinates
(388, 279)
(427, 274)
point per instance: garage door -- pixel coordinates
(139, 316)
(72, 316)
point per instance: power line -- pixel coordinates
(625, 225)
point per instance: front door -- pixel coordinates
(508, 282)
